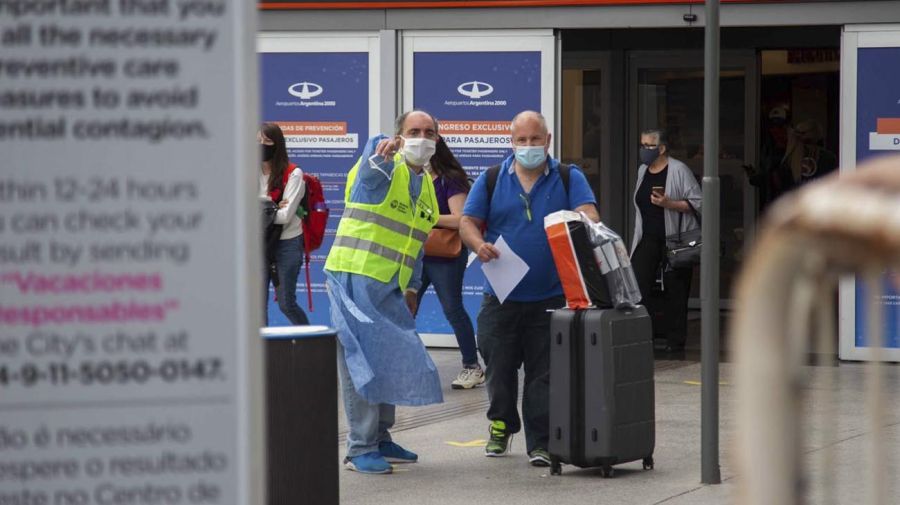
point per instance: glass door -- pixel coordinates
(666, 91)
(590, 129)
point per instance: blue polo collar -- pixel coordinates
(551, 162)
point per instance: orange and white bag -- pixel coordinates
(592, 262)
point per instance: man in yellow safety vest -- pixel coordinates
(373, 272)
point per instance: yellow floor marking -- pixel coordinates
(473, 443)
(698, 383)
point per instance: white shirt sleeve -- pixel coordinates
(264, 187)
(293, 193)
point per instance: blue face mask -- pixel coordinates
(530, 157)
(648, 155)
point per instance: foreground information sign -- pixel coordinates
(128, 308)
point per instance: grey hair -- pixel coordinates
(401, 119)
(537, 115)
(662, 139)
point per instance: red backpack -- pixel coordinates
(313, 210)
(313, 213)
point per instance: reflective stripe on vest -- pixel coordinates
(384, 221)
(378, 249)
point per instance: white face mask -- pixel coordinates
(418, 151)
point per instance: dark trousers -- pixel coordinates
(648, 258)
(510, 335)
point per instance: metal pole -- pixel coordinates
(709, 264)
(391, 102)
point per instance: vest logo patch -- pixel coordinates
(399, 206)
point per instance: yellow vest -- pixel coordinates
(377, 240)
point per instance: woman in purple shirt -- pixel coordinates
(451, 185)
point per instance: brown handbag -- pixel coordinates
(443, 243)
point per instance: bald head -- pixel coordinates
(529, 128)
(528, 118)
(416, 123)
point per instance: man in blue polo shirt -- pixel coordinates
(528, 187)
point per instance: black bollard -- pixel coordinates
(301, 415)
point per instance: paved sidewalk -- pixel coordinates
(449, 474)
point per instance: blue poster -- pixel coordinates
(878, 132)
(474, 96)
(321, 102)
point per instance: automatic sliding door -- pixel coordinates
(668, 93)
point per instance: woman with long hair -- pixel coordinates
(282, 182)
(451, 185)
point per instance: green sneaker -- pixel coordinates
(539, 457)
(500, 440)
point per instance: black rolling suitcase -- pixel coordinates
(601, 389)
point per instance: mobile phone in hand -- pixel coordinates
(658, 190)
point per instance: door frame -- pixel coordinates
(748, 61)
(610, 197)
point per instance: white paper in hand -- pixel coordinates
(505, 272)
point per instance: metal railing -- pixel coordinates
(785, 301)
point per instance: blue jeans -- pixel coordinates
(369, 422)
(288, 260)
(447, 278)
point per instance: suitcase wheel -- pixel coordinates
(648, 463)
(606, 471)
(555, 466)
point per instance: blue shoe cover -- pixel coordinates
(370, 462)
(393, 453)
